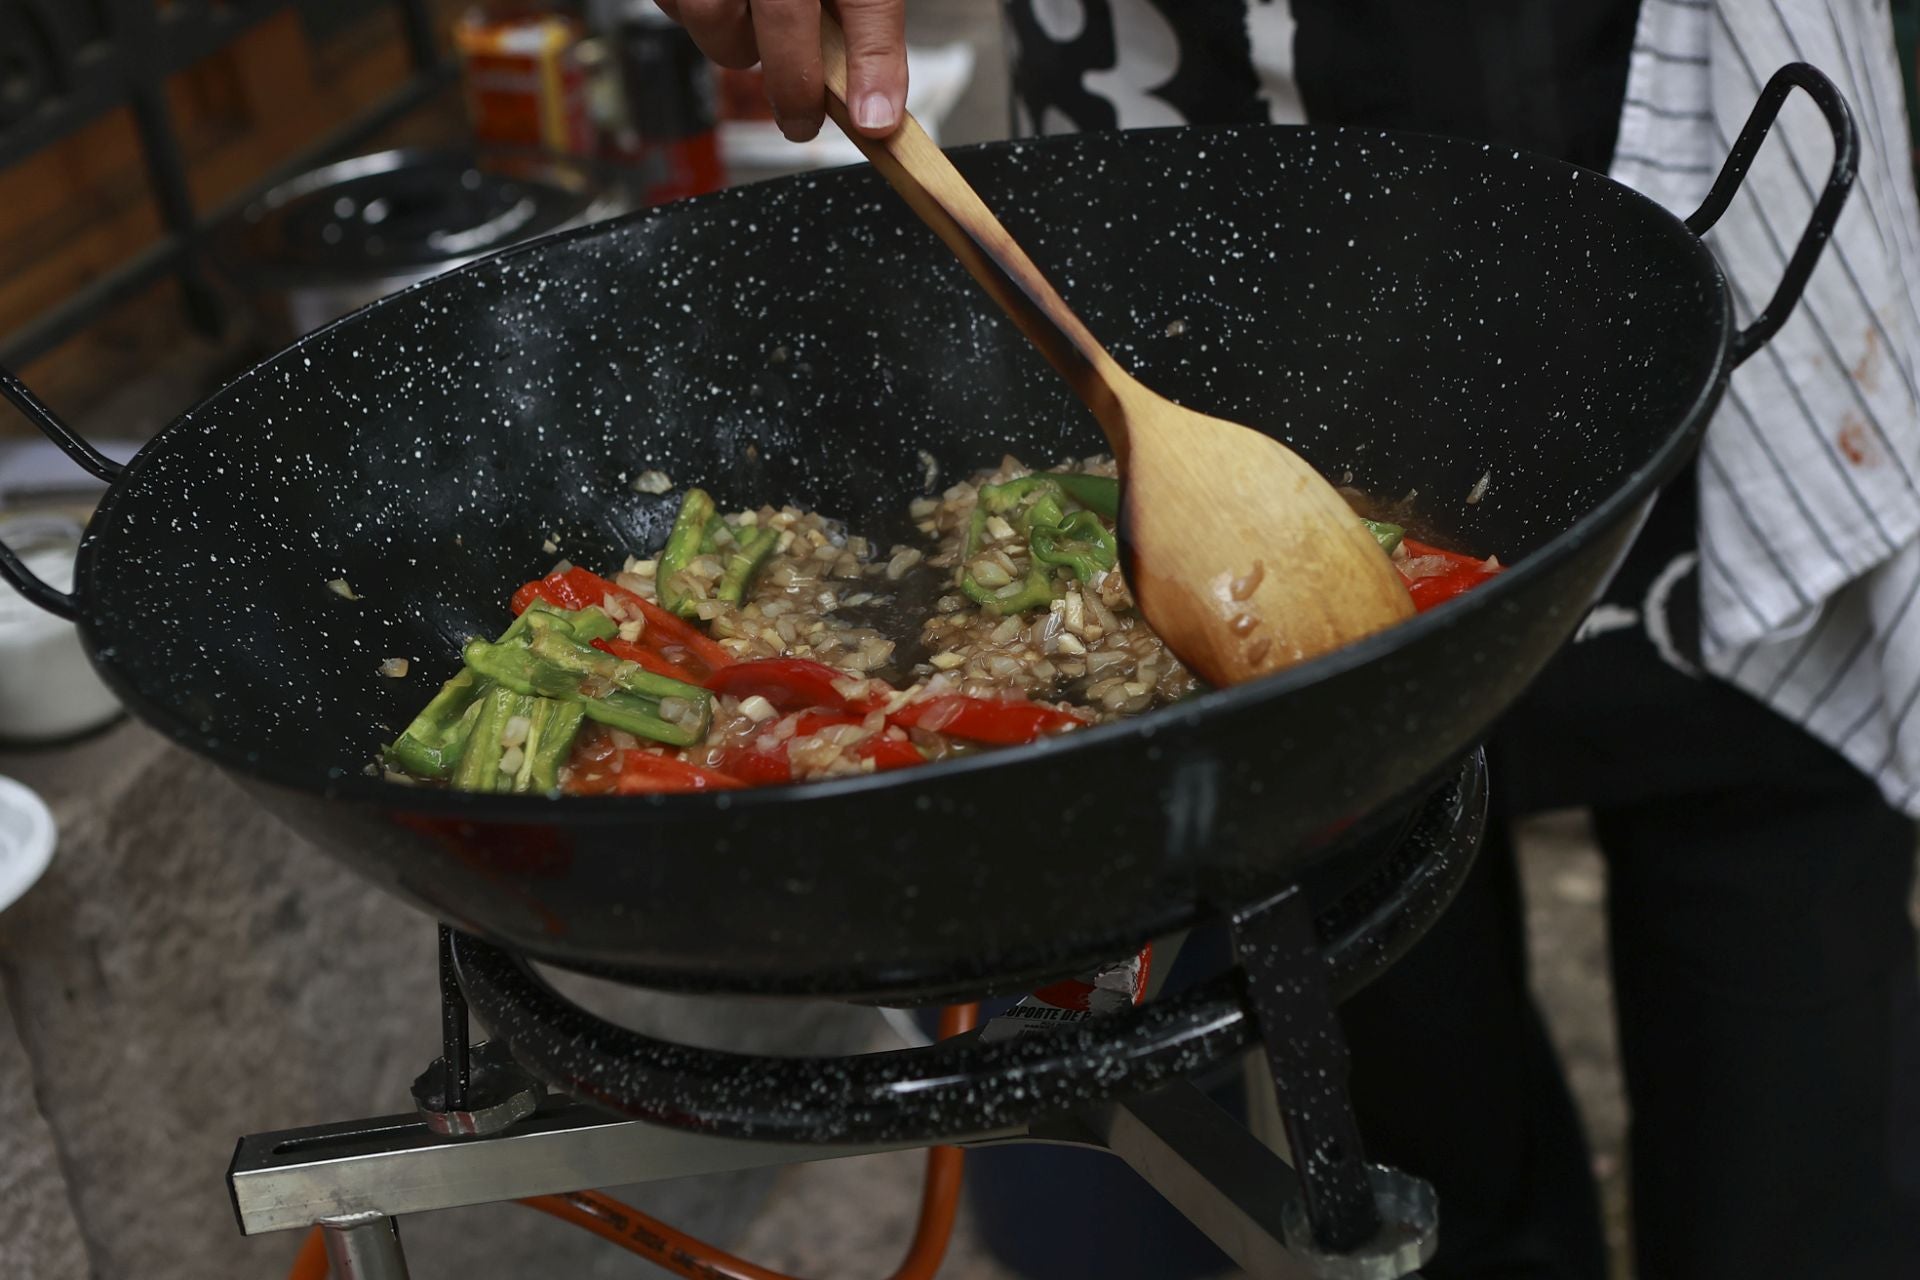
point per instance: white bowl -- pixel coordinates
(26, 840)
(48, 689)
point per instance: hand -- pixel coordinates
(783, 36)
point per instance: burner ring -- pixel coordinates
(962, 1088)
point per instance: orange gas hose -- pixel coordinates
(683, 1255)
(311, 1262)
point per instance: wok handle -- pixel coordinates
(12, 568)
(1826, 211)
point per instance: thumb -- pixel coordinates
(876, 63)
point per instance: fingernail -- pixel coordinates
(874, 111)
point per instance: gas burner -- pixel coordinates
(633, 1108)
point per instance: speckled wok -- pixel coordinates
(1413, 312)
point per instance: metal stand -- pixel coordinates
(1286, 987)
(1306, 1206)
(357, 1176)
(366, 1248)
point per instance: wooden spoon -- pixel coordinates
(1241, 556)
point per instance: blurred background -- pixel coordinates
(185, 186)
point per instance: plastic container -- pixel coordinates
(48, 689)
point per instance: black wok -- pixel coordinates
(1415, 311)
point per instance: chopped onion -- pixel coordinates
(1425, 566)
(989, 573)
(1076, 612)
(340, 588)
(515, 734)
(652, 482)
(394, 667)
(940, 717)
(758, 709)
(1103, 614)
(510, 762)
(1479, 489)
(903, 560)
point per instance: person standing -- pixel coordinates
(1738, 713)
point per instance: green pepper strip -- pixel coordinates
(683, 544)
(1079, 542)
(431, 745)
(555, 724)
(1096, 493)
(744, 563)
(1054, 538)
(1037, 590)
(553, 663)
(1388, 534)
(585, 625)
(479, 768)
(551, 728)
(1002, 498)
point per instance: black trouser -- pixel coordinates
(1765, 977)
(1767, 989)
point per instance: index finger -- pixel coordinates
(788, 33)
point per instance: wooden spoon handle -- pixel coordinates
(922, 174)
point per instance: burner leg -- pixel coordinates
(1241, 1194)
(455, 1074)
(365, 1248)
(1279, 950)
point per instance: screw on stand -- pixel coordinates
(470, 1091)
(456, 1074)
(1279, 950)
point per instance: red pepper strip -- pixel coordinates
(812, 722)
(649, 771)
(758, 768)
(1461, 574)
(628, 651)
(790, 684)
(766, 768)
(889, 753)
(886, 753)
(540, 589)
(1000, 722)
(578, 589)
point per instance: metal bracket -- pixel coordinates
(1278, 947)
(1231, 1185)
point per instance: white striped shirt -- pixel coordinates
(1810, 474)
